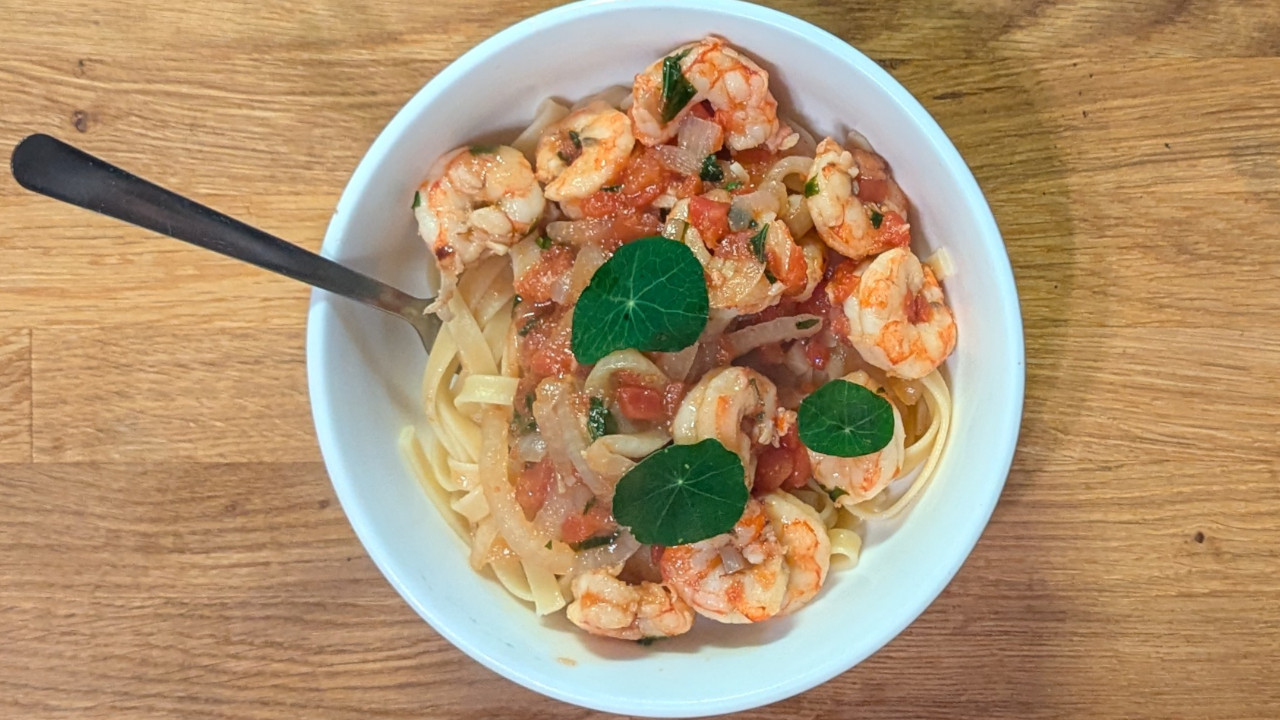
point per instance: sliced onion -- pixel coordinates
(941, 264)
(615, 553)
(679, 159)
(676, 365)
(592, 231)
(531, 448)
(770, 197)
(558, 507)
(700, 137)
(731, 559)
(524, 255)
(797, 217)
(856, 139)
(782, 329)
(565, 435)
(589, 259)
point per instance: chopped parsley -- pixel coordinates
(544, 242)
(576, 139)
(417, 200)
(876, 219)
(594, 542)
(711, 170)
(677, 91)
(483, 149)
(757, 244)
(611, 188)
(733, 185)
(600, 421)
(836, 493)
(811, 187)
(806, 324)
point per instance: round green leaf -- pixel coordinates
(650, 296)
(845, 419)
(682, 494)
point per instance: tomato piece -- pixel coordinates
(533, 485)
(894, 231)
(872, 190)
(791, 270)
(555, 263)
(817, 352)
(773, 467)
(577, 528)
(801, 470)
(545, 342)
(843, 283)
(710, 218)
(638, 402)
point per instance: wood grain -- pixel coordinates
(170, 547)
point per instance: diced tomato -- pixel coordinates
(555, 263)
(773, 467)
(800, 467)
(710, 219)
(872, 190)
(701, 110)
(544, 346)
(790, 270)
(577, 528)
(843, 283)
(638, 402)
(817, 352)
(533, 485)
(689, 186)
(894, 231)
(918, 309)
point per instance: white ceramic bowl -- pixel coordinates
(364, 368)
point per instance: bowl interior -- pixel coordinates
(364, 368)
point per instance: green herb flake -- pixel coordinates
(733, 185)
(544, 242)
(876, 219)
(576, 139)
(711, 170)
(548, 546)
(836, 493)
(483, 149)
(811, 187)
(528, 402)
(517, 300)
(611, 188)
(682, 494)
(650, 296)
(600, 421)
(593, 542)
(417, 200)
(677, 91)
(845, 419)
(806, 324)
(649, 640)
(757, 244)
(590, 504)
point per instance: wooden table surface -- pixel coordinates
(170, 545)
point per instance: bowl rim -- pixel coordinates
(329, 436)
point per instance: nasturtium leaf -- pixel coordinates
(682, 494)
(677, 91)
(845, 419)
(650, 296)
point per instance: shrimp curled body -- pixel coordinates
(604, 605)
(584, 152)
(735, 86)
(734, 405)
(898, 318)
(862, 477)
(857, 209)
(773, 562)
(480, 202)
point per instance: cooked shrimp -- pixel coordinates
(862, 477)
(734, 405)
(738, 577)
(858, 210)
(898, 318)
(584, 152)
(736, 87)
(479, 202)
(736, 278)
(806, 546)
(604, 605)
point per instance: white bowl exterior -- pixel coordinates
(364, 368)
